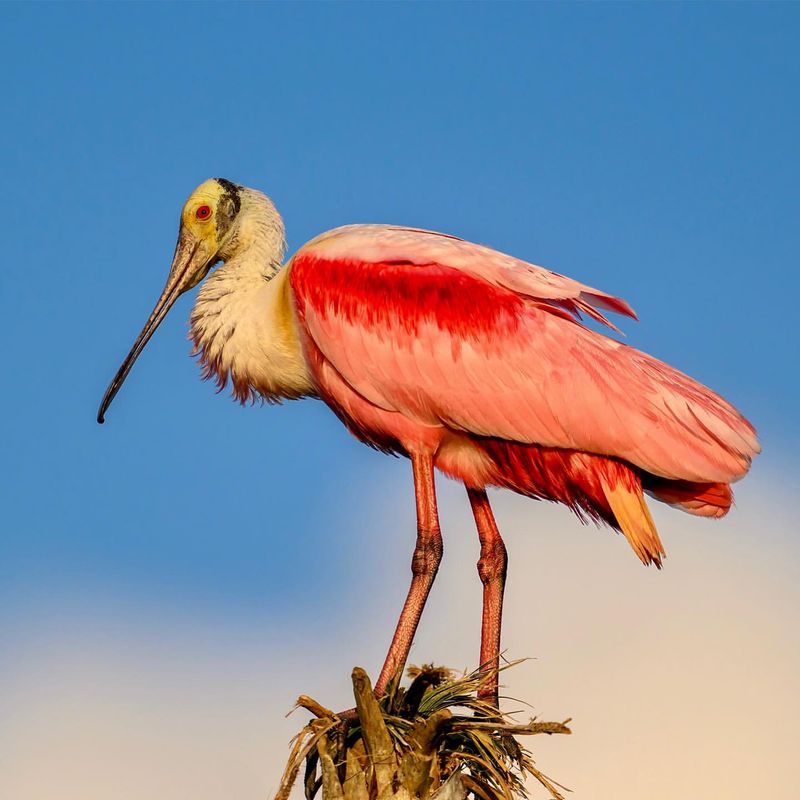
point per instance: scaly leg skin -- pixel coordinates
(492, 567)
(424, 566)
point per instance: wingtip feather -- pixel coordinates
(609, 303)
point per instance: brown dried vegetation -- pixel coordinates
(434, 740)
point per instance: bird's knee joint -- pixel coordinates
(427, 554)
(493, 562)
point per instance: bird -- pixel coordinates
(463, 359)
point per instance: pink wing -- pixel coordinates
(451, 333)
(413, 246)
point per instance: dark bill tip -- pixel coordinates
(185, 266)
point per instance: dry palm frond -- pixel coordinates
(434, 739)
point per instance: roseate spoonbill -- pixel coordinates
(461, 358)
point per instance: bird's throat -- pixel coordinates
(244, 330)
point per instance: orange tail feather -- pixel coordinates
(629, 507)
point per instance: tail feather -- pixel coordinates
(701, 499)
(599, 488)
(629, 507)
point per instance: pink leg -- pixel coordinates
(424, 565)
(492, 570)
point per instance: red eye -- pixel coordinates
(204, 212)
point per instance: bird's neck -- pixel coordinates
(243, 323)
(256, 248)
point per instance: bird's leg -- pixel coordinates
(424, 565)
(492, 566)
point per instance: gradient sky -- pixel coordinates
(648, 150)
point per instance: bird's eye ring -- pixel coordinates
(203, 212)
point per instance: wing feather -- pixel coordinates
(396, 245)
(455, 334)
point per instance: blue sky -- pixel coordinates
(649, 150)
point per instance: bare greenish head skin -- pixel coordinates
(207, 223)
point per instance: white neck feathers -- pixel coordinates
(243, 322)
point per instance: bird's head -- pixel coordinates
(209, 232)
(208, 223)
